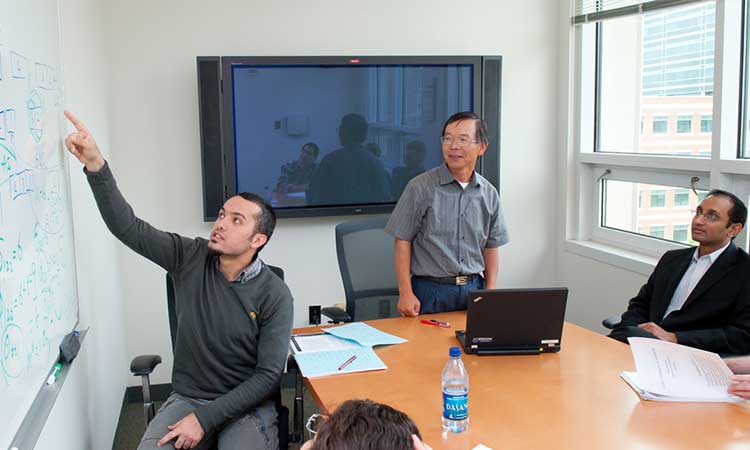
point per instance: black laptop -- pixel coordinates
(514, 321)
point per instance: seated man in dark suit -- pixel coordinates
(699, 296)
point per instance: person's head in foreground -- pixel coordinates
(367, 425)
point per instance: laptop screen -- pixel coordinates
(514, 318)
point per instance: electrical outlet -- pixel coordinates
(315, 315)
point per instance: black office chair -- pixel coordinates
(143, 365)
(365, 255)
(612, 321)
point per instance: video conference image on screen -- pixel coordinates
(308, 136)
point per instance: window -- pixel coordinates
(682, 197)
(624, 211)
(684, 124)
(660, 124)
(668, 76)
(656, 231)
(658, 199)
(680, 233)
(644, 136)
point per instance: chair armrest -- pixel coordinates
(336, 314)
(144, 364)
(612, 321)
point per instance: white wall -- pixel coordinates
(597, 289)
(86, 412)
(154, 119)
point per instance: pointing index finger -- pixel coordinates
(167, 437)
(76, 123)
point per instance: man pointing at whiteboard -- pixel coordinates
(234, 315)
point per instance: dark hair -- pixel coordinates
(265, 222)
(738, 212)
(479, 123)
(353, 129)
(366, 425)
(313, 146)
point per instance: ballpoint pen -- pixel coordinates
(347, 362)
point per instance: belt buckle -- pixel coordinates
(462, 280)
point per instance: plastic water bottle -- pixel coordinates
(455, 384)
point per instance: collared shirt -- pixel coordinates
(248, 273)
(447, 225)
(695, 271)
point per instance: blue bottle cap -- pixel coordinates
(454, 352)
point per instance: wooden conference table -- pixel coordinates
(574, 399)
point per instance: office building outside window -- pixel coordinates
(660, 124)
(656, 231)
(684, 124)
(658, 199)
(680, 233)
(682, 197)
(647, 209)
(639, 103)
(670, 75)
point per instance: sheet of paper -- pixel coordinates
(331, 362)
(677, 371)
(320, 342)
(364, 334)
(634, 381)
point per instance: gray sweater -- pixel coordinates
(232, 338)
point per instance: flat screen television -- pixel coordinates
(321, 136)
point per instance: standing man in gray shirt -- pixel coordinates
(448, 226)
(234, 316)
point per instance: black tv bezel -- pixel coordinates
(227, 96)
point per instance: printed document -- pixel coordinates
(320, 342)
(343, 349)
(677, 373)
(336, 362)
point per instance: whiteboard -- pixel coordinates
(38, 298)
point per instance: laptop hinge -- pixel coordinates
(509, 351)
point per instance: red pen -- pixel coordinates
(437, 323)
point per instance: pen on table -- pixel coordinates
(54, 374)
(347, 362)
(436, 323)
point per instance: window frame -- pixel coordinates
(724, 169)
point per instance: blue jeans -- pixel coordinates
(436, 297)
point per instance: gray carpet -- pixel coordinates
(131, 425)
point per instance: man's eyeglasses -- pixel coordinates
(462, 141)
(314, 422)
(708, 217)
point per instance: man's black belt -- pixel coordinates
(458, 280)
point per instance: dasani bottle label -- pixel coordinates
(455, 407)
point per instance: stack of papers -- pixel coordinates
(343, 349)
(676, 373)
